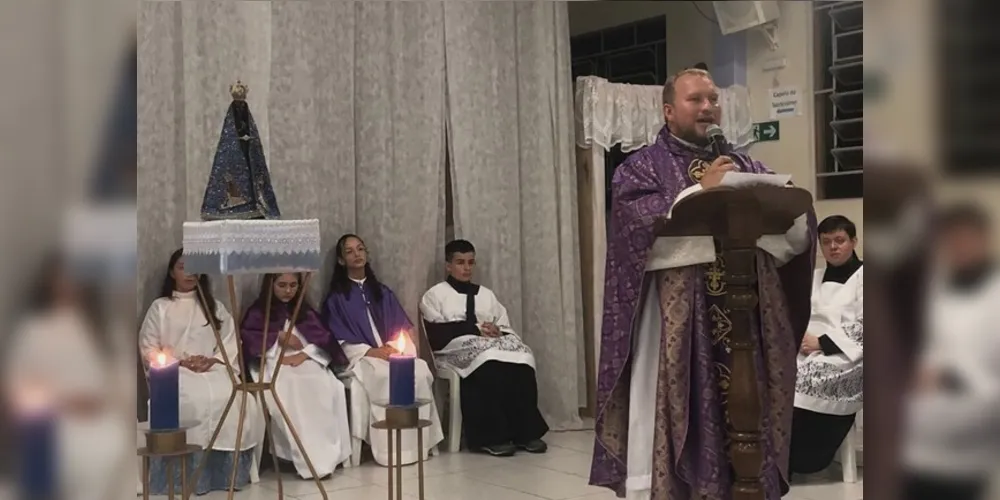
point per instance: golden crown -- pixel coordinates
(239, 91)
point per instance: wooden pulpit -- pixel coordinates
(737, 218)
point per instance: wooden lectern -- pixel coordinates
(736, 218)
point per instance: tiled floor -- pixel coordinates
(560, 474)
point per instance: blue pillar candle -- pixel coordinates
(402, 380)
(164, 393)
(36, 450)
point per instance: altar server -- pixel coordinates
(829, 388)
(309, 390)
(364, 316)
(470, 332)
(181, 324)
(952, 421)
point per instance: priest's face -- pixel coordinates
(837, 247)
(461, 265)
(355, 255)
(964, 246)
(285, 287)
(695, 107)
(184, 282)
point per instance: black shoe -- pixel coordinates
(499, 450)
(534, 446)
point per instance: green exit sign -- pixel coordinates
(766, 131)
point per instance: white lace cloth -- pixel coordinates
(274, 240)
(631, 115)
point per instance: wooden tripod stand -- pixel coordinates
(257, 389)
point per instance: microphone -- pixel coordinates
(717, 139)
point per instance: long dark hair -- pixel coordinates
(276, 305)
(43, 297)
(340, 282)
(170, 285)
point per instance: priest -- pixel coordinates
(662, 427)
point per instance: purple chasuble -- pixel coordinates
(347, 315)
(308, 324)
(690, 434)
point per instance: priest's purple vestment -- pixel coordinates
(690, 441)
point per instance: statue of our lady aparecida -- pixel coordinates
(239, 186)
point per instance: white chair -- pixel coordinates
(849, 454)
(453, 381)
(357, 445)
(454, 407)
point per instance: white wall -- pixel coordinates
(690, 39)
(795, 152)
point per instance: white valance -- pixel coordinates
(608, 114)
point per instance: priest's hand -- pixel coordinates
(810, 344)
(294, 359)
(715, 171)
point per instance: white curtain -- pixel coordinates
(611, 114)
(352, 101)
(351, 119)
(510, 124)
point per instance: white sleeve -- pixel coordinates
(785, 247)
(318, 355)
(227, 330)
(149, 333)
(430, 308)
(354, 352)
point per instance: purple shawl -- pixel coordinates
(644, 188)
(308, 324)
(347, 315)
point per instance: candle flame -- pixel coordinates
(160, 359)
(400, 343)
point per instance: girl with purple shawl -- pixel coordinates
(364, 316)
(315, 399)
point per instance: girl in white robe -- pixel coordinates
(364, 316)
(177, 323)
(310, 392)
(56, 350)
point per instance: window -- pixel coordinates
(970, 124)
(634, 53)
(839, 44)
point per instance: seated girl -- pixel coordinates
(313, 397)
(180, 323)
(364, 316)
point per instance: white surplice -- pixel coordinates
(834, 384)
(670, 253)
(443, 304)
(954, 433)
(370, 383)
(178, 325)
(316, 402)
(56, 350)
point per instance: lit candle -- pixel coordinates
(164, 393)
(36, 442)
(402, 381)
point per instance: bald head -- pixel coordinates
(691, 105)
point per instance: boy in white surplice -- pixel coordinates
(469, 331)
(829, 385)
